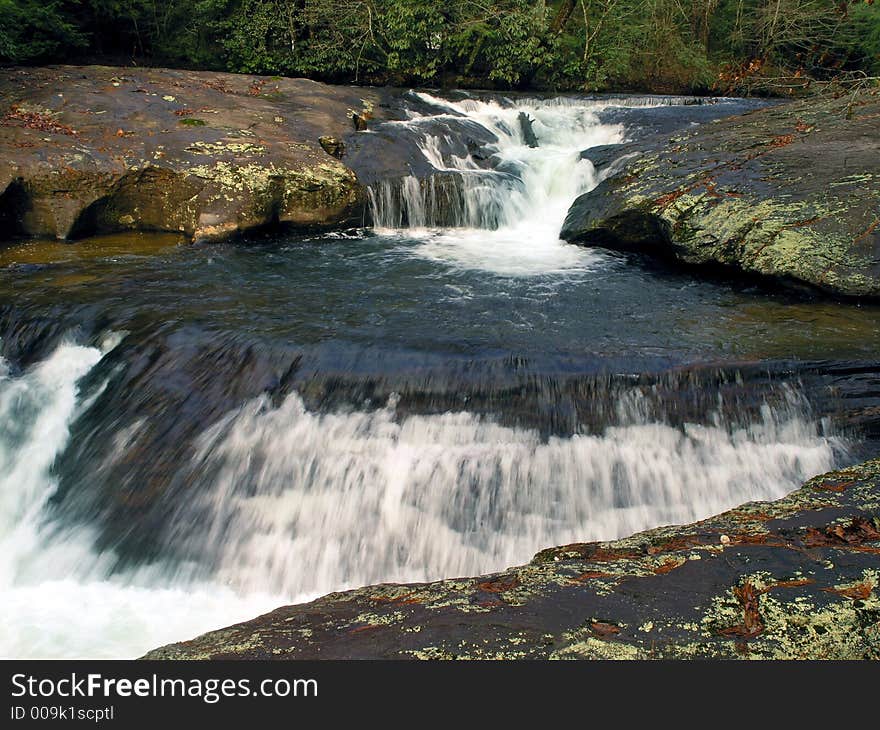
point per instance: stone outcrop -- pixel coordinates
(791, 191)
(95, 149)
(798, 578)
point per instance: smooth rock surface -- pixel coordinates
(790, 191)
(96, 149)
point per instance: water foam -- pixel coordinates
(60, 597)
(317, 502)
(505, 219)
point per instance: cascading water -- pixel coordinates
(504, 214)
(276, 499)
(61, 598)
(456, 494)
(295, 504)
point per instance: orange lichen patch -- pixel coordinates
(183, 112)
(590, 575)
(361, 629)
(677, 543)
(803, 127)
(788, 584)
(665, 201)
(602, 555)
(712, 189)
(857, 591)
(752, 625)
(256, 88)
(781, 140)
(499, 586)
(862, 236)
(668, 567)
(807, 222)
(767, 539)
(755, 517)
(589, 551)
(217, 86)
(602, 628)
(407, 599)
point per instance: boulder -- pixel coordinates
(790, 191)
(528, 132)
(96, 149)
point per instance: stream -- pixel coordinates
(192, 435)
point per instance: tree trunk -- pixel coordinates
(560, 20)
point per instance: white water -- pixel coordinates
(505, 220)
(313, 502)
(57, 597)
(300, 504)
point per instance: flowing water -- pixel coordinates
(190, 436)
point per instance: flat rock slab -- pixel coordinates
(791, 191)
(97, 149)
(792, 579)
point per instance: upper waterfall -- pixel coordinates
(505, 184)
(498, 206)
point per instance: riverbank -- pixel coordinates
(792, 579)
(787, 192)
(202, 433)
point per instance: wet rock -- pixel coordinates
(791, 191)
(332, 146)
(528, 132)
(798, 578)
(87, 150)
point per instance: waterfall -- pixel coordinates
(499, 208)
(458, 494)
(300, 474)
(521, 183)
(289, 504)
(61, 597)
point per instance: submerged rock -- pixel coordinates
(96, 149)
(790, 191)
(798, 578)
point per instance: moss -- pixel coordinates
(193, 122)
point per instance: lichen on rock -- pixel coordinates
(209, 160)
(788, 192)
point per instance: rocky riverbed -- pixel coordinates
(792, 579)
(790, 192)
(240, 427)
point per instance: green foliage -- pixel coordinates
(35, 30)
(662, 45)
(864, 44)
